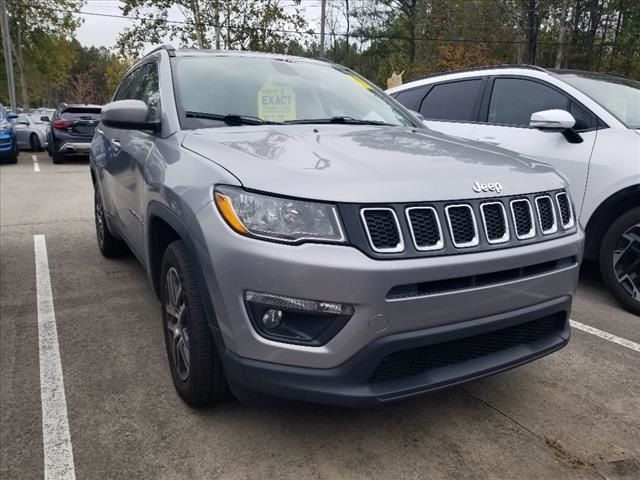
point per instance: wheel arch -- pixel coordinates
(164, 227)
(616, 204)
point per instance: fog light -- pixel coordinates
(296, 320)
(298, 303)
(272, 318)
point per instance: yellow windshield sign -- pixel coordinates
(360, 82)
(276, 104)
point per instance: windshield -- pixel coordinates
(618, 95)
(277, 90)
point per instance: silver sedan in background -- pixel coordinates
(31, 131)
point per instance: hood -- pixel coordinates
(367, 164)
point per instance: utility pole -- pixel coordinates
(216, 15)
(563, 29)
(8, 58)
(323, 20)
(196, 18)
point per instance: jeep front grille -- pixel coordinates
(494, 220)
(445, 228)
(523, 218)
(383, 229)
(425, 229)
(546, 215)
(462, 225)
(566, 213)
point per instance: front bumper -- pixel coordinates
(356, 383)
(232, 264)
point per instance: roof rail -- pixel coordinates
(485, 67)
(171, 50)
(324, 59)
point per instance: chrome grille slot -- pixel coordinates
(382, 229)
(494, 219)
(462, 226)
(425, 228)
(546, 215)
(523, 218)
(566, 212)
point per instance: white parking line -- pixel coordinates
(58, 453)
(36, 167)
(606, 335)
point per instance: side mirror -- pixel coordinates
(128, 115)
(23, 122)
(552, 120)
(418, 115)
(12, 115)
(556, 120)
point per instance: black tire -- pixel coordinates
(200, 381)
(621, 271)
(13, 157)
(34, 143)
(110, 246)
(57, 158)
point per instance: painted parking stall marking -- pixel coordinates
(58, 453)
(36, 167)
(605, 335)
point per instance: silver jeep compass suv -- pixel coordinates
(309, 238)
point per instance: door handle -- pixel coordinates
(489, 140)
(116, 142)
(100, 131)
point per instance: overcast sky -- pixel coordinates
(103, 31)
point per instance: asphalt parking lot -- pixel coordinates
(574, 414)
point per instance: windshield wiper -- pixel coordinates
(233, 119)
(340, 119)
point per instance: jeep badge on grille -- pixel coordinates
(487, 187)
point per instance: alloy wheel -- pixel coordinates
(626, 261)
(177, 324)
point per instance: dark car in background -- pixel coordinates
(8, 144)
(71, 131)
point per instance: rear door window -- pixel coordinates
(513, 100)
(453, 101)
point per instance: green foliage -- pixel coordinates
(239, 24)
(374, 37)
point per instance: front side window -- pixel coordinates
(620, 96)
(148, 89)
(513, 100)
(454, 101)
(127, 87)
(277, 90)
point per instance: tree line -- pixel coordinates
(375, 37)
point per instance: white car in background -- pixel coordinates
(585, 124)
(31, 131)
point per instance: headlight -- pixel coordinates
(276, 218)
(4, 126)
